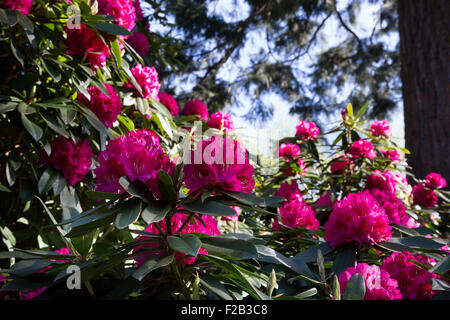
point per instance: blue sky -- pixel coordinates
(282, 123)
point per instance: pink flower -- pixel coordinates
(73, 160)
(195, 107)
(221, 121)
(235, 217)
(394, 208)
(435, 181)
(340, 163)
(362, 148)
(106, 109)
(139, 42)
(358, 217)
(23, 6)
(295, 214)
(208, 225)
(382, 181)
(289, 152)
(137, 155)
(392, 155)
(138, 10)
(413, 281)
(122, 10)
(289, 191)
(84, 41)
(424, 196)
(169, 102)
(307, 130)
(324, 200)
(381, 128)
(378, 282)
(147, 79)
(219, 163)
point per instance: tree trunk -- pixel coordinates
(424, 27)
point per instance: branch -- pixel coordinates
(346, 27)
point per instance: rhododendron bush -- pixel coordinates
(152, 197)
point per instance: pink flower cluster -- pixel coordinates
(138, 10)
(358, 217)
(139, 42)
(382, 181)
(435, 181)
(137, 155)
(379, 284)
(289, 191)
(221, 121)
(84, 41)
(22, 6)
(106, 109)
(307, 130)
(208, 225)
(362, 148)
(219, 163)
(195, 107)
(392, 155)
(73, 160)
(291, 152)
(394, 208)
(339, 164)
(147, 79)
(169, 102)
(296, 213)
(413, 281)
(424, 196)
(381, 128)
(122, 10)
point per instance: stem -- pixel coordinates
(90, 290)
(180, 282)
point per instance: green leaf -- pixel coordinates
(356, 288)
(210, 208)
(8, 235)
(129, 213)
(55, 126)
(155, 211)
(48, 178)
(235, 248)
(336, 288)
(33, 129)
(24, 21)
(117, 54)
(216, 287)
(350, 110)
(187, 243)
(362, 110)
(108, 27)
(166, 186)
(310, 254)
(83, 244)
(345, 258)
(442, 266)
(94, 121)
(418, 242)
(137, 189)
(306, 294)
(4, 188)
(51, 69)
(18, 53)
(97, 195)
(151, 264)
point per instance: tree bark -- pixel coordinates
(424, 27)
